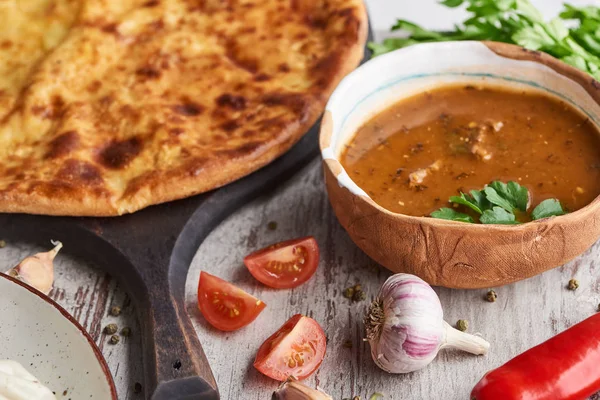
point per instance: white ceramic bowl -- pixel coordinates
(449, 253)
(49, 343)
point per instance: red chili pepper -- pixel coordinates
(566, 367)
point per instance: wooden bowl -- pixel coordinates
(448, 253)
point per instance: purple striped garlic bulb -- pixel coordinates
(406, 328)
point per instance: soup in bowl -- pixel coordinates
(468, 164)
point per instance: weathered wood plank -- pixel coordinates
(525, 314)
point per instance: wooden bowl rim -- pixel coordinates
(586, 81)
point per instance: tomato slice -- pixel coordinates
(285, 265)
(224, 305)
(296, 349)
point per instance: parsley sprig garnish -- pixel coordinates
(497, 203)
(517, 22)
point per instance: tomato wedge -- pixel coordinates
(296, 349)
(285, 265)
(224, 305)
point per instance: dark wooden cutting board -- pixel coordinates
(150, 252)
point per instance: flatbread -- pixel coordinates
(107, 107)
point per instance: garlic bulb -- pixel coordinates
(294, 390)
(37, 270)
(406, 329)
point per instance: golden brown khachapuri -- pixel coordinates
(108, 106)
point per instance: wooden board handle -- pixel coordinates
(176, 367)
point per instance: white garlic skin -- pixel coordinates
(38, 270)
(413, 330)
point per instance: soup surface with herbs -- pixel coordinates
(412, 157)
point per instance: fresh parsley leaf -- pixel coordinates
(452, 215)
(475, 203)
(547, 208)
(498, 215)
(576, 61)
(495, 198)
(518, 22)
(533, 37)
(452, 3)
(480, 199)
(416, 32)
(516, 195)
(390, 44)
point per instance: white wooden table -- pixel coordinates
(525, 314)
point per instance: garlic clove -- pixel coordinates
(294, 390)
(37, 270)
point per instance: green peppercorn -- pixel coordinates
(491, 296)
(359, 295)
(573, 284)
(2, 244)
(115, 311)
(462, 325)
(126, 332)
(111, 329)
(114, 339)
(272, 225)
(349, 292)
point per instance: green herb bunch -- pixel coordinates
(498, 203)
(517, 22)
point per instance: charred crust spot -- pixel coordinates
(109, 28)
(127, 111)
(261, 77)
(243, 150)
(94, 86)
(231, 101)
(196, 165)
(315, 22)
(230, 126)
(118, 154)
(275, 123)
(156, 25)
(176, 131)
(283, 67)
(52, 111)
(234, 54)
(151, 3)
(294, 101)
(346, 12)
(326, 67)
(80, 171)
(63, 144)
(188, 109)
(148, 72)
(106, 101)
(248, 29)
